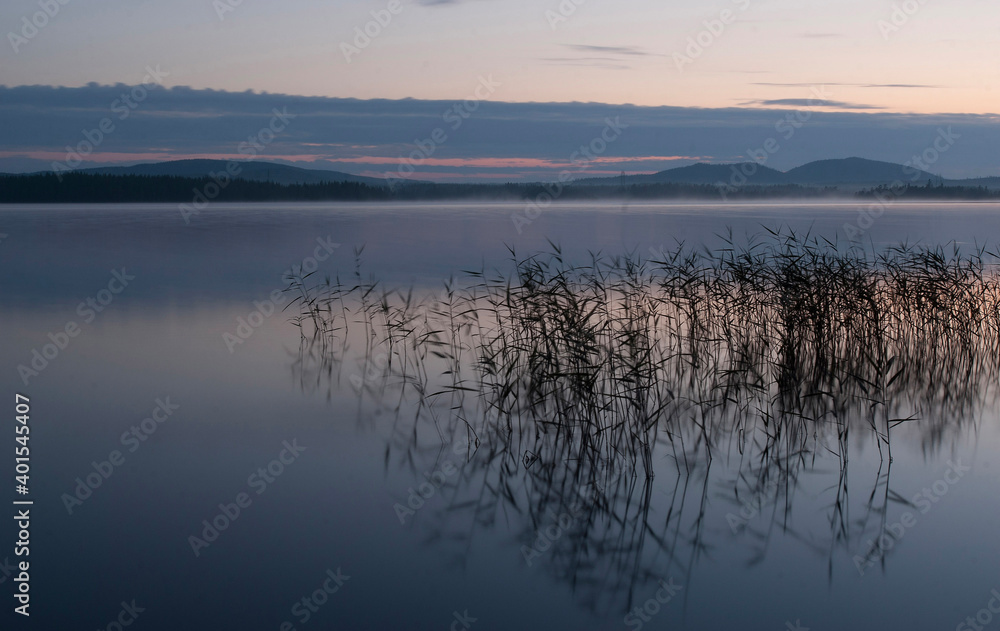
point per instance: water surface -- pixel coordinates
(791, 556)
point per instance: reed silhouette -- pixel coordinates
(609, 380)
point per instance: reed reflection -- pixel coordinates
(627, 416)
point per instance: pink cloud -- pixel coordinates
(510, 163)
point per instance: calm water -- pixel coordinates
(172, 335)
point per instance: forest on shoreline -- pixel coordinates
(50, 188)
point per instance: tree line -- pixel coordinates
(101, 188)
(930, 191)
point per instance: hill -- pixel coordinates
(254, 171)
(851, 173)
(857, 171)
(700, 173)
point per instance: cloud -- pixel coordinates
(612, 50)
(810, 103)
(609, 57)
(852, 85)
(900, 85)
(521, 140)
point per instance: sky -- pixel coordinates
(530, 80)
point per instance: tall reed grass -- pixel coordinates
(586, 378)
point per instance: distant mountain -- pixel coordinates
(857, 171)
(257, 171)
(701, 173)
(852, 173)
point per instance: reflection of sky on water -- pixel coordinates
(334, 506)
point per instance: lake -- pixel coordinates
(194, 459)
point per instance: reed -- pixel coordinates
(585, 378)
(772, 337)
